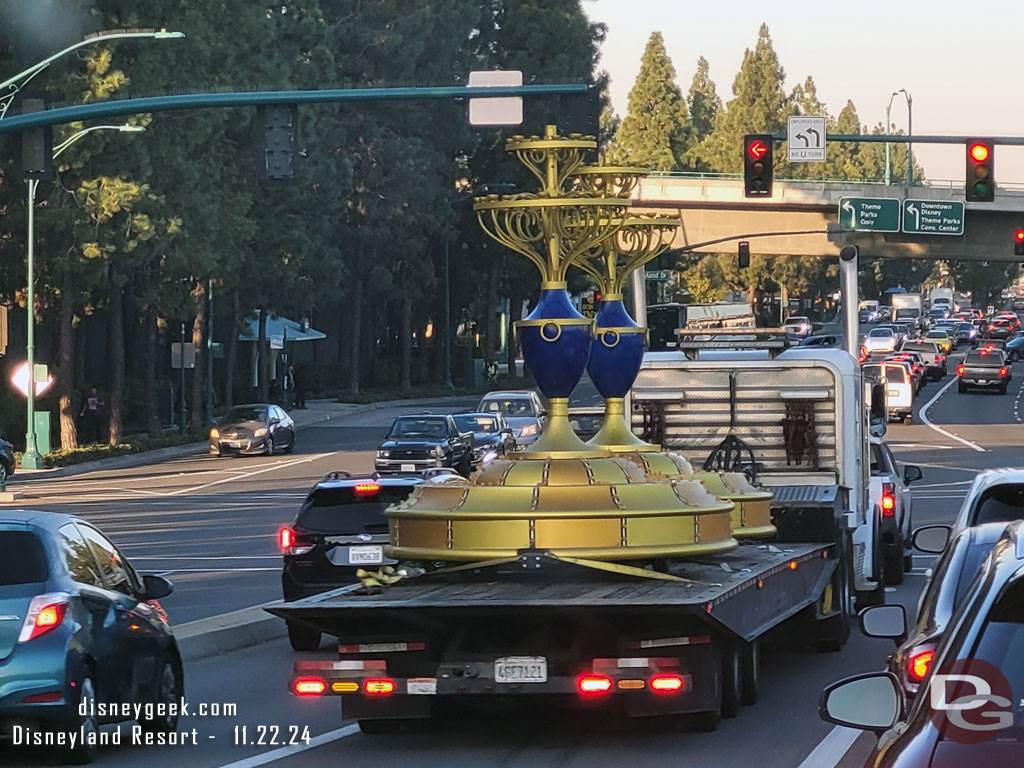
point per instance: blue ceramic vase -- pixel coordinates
(555, 339)
(616, 351)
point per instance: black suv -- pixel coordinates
(340, 528)
(418, 443)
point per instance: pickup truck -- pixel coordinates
(984, 368)
(417, 443)
(934, 360)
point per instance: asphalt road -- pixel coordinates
(169, 516)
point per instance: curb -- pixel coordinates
(228, 632)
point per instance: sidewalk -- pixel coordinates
(316, 412)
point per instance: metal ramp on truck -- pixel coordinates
(745, 593)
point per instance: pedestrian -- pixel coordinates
(93, 410)
(288, 387)
(299, 378)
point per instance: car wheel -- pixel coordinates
(84, 750)
(169, 690)
(750, 672)
(291, 444)
(893, 565)
(732, 680)
(961, 388)
(303, 638)
(3, 473)
(465, 465)
(1002, 389)
(270, 446)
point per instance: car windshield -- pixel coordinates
(513, 406)
(348, 510)
(22, 559)
(880, 333)
(417, 427)
(964, 326)
(245, 413)
(476, 423)
(1000, 504)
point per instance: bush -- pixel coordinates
(131, 444)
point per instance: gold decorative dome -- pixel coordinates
(751, 513)
(599, 509)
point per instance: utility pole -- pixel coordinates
(447, 326)
(209, 352)
(184, 407)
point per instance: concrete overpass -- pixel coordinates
(715, 208)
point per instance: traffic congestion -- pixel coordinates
(432, 387)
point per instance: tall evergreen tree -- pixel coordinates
(759, 105)
(703, 101)
(656, 132)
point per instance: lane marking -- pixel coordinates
(1016, 403)
(929, 446)
(972, 470)
(293, 749)
(832, 749)
(944, 485)
(923, 413)
(206, 557)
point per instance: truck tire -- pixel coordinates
(381, 727)
(732, 680)
(893, 564)
(961, 388)
(1002, 389)
(303, 638)
(750, 672)
(831, 633)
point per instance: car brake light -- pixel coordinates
(959, 370)
(888, 500)
(667, 683)
(594, 685)
(1002, 371)
(309, 686)
(285, 538)
(42, 698)
(366, 489)
(919, 664)
(292, 542)
(383, 686)
(45, 613)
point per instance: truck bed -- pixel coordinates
(746, 592)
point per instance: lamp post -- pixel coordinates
(31, 458)
(447, 326)
(910, 132)
(14, 85)
(888, 127)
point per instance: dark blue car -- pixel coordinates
(78, 625)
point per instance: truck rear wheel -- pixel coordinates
(303, 638)
(750, 672)
(732, 680)
(833, 631)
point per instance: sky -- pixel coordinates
(960, 62)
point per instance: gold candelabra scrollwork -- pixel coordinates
(637, 241)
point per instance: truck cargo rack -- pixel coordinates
(693, 340)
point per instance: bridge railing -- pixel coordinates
(1015, 186)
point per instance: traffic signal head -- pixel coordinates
(1018, 243)
(981, 179)
(757, 165)
(743, 256)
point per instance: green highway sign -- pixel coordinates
(933, 217)
(869, 214)
(658, 275)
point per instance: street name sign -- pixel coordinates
(933, 217)
(869, 214)
(658, 275)
(805, 139)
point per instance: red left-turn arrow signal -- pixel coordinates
(757, 149)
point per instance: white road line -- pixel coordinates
(293, 749)
(943, 485)
(832, 749)
(929, 446)
(924, 418)
(1016, 403)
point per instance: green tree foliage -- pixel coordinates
(656, 132)
(704, 106)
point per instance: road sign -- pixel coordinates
(933, 217)
(507, 110)
(658, 275)
(190, 355)
(869, 214)
(805, 139)
(277, 341)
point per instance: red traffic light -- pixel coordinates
(757, 149)
(1020, 235)
(980, 152)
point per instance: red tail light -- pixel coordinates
(1002, 372)
(309, 686)
(383, 686)
(667, 684)
(285, 538)
(42, 698)
(919, 664)
(594, 685)
(888, 500)
(959, 370)
(45, 614)
(292, 542)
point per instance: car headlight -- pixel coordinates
(214, 434)
(261, 432)
(529, 429)
(383, 454)
(438, 451)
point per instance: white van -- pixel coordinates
(899, 389)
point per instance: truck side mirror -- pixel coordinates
(911, 474)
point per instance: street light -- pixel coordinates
(910, 132)
(14, 85)
(31, 458)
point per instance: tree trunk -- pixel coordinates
(491, 333)
(199, 372)
(355, 334)
(65, 364)
(153, 425)
(406, 345)
(423, 350)
(263, 357)
(232, 352)
(78, 359)
(515, 314)
(115, 359)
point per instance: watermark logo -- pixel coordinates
(970, 701)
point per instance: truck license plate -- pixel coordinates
(365, 555)
(521, 669)
(408, 467)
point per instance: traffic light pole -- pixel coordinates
(31, 459)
